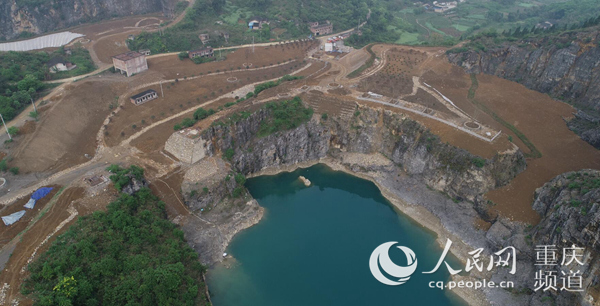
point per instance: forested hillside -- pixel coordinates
(22, 73)
(129, 255)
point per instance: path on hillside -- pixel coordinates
(426, 28)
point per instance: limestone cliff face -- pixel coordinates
(18, 16)
(217, 210)
(408, 144)
(569, 73)
(570, 211)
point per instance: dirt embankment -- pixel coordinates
(67, 129)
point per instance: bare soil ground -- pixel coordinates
(107, 27)
(168, 189)
(154, 140)
(109, 46)
(540, 118)
(171, 67)
(183, 95)
(7, 233)
(107, 38)
(67, 128)
(536, 115)
(31, 242)
(327, 104)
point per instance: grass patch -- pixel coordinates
(461, 27)
(407, 38)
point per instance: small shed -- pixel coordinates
(144, 97)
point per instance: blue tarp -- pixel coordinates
(40, 193)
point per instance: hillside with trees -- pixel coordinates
(22, 73)
(130, 254)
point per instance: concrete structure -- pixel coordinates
(321, 28)
(328, 47)
(187, 146)
(57, 64)
(145, 52)
(144, 97)
(203, 52)
(257, 23)
(130, 63)
(204, 38)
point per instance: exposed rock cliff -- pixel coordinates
(569, 207)
(220, 208)
(565, 66)
(18, 16)
(409, 145)
(567, 71)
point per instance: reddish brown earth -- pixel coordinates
(171, 67)
(540, 118)
(7, 233)
(57, 145)
(182, 95)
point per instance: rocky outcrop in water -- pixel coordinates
(19, 16)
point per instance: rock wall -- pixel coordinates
(18, 16)
(217, 212)
(569, 207)
(408, 144)
(569, 73)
